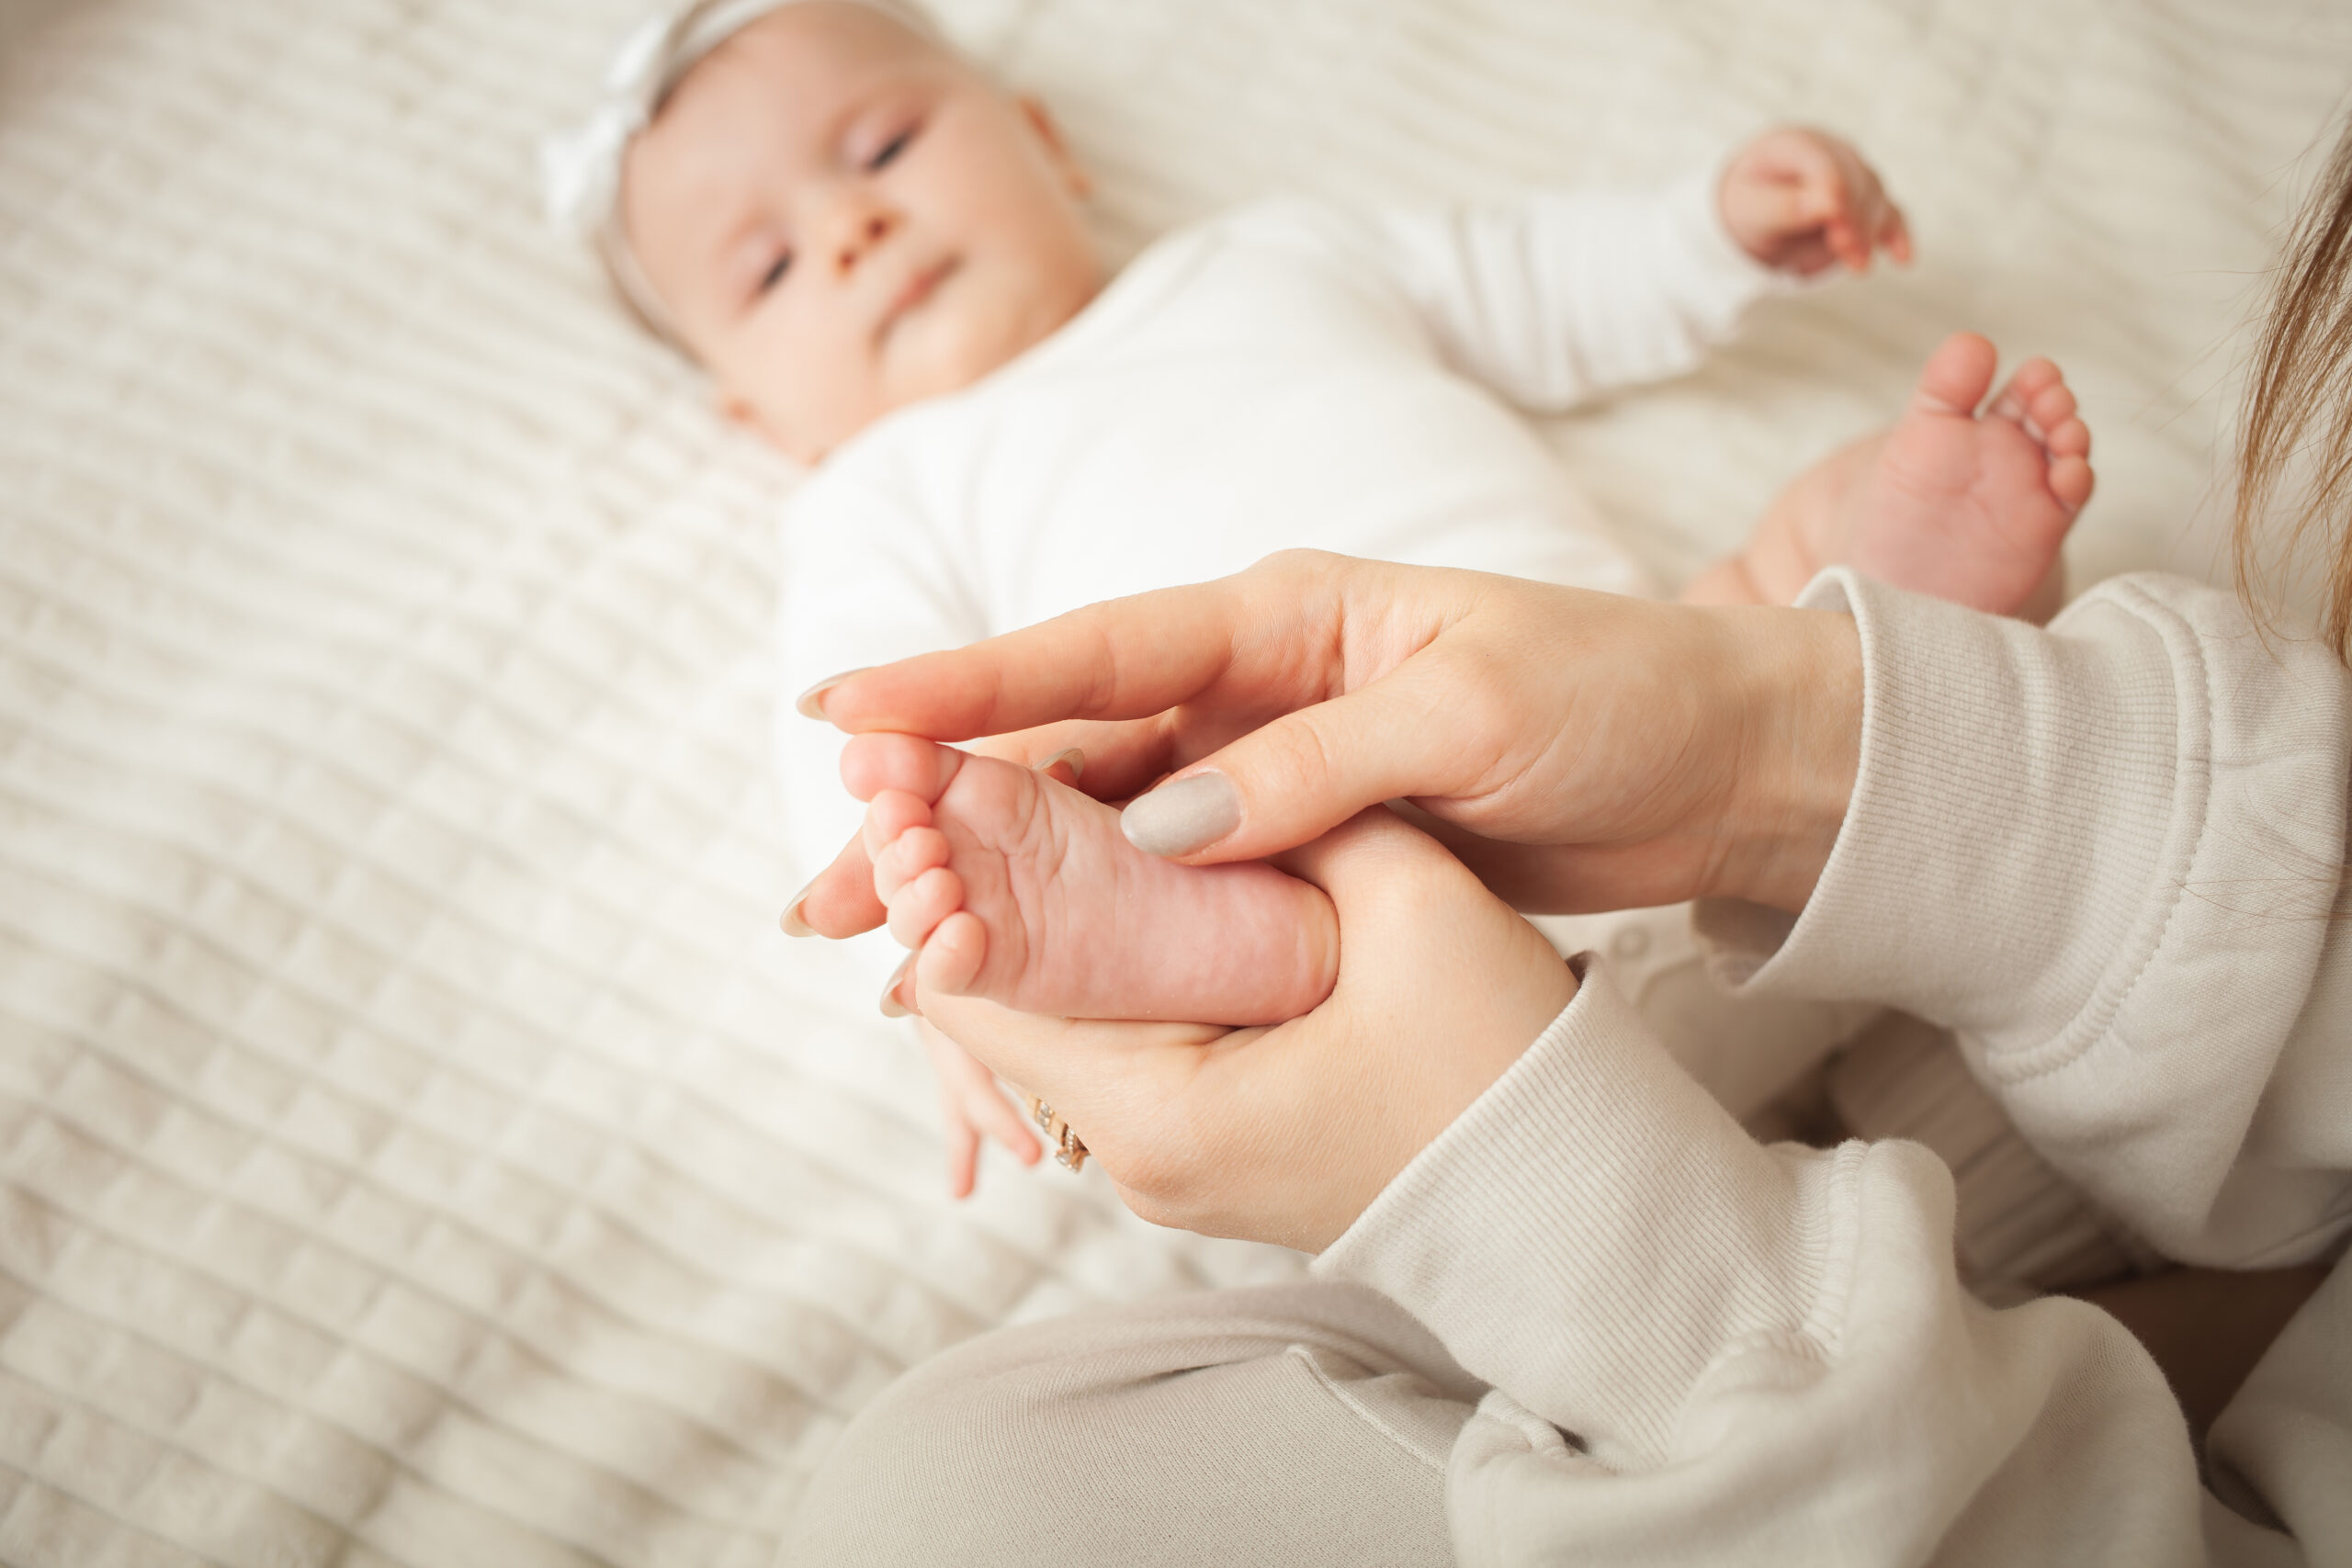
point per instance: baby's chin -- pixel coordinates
(941, 354)
(946, 346)
(965, 335)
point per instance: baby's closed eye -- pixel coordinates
(888, 152)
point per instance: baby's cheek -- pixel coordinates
(810, 384)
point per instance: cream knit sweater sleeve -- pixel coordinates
(2107, 853)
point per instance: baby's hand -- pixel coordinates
(1801, 201)
(972, 1106)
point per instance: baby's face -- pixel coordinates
(843, 220)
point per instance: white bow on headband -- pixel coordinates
(579, 170)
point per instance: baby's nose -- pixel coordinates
(864, 233)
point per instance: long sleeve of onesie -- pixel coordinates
(1563, 297)
(2107, 854)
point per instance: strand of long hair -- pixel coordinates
(2299, 415)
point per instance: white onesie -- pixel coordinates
(1288, 374)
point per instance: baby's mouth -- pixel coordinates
(917, 288)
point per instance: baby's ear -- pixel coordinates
(1041, 120)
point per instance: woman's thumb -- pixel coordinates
(1293, 780)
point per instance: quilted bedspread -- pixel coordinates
(417, 1145)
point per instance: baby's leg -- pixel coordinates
(1023, 890)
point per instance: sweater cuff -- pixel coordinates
(2013, 790)
(1595, 1232)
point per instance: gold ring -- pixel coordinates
(1069, 1151)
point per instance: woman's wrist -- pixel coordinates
(1800, 733)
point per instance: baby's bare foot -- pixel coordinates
(1021, 890)
(1970, 506)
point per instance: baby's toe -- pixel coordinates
(2022, 398)
(951, 959)
(889, 814)
(2069, 438)
(873, 764)
(2071, 480)
(2052, 406)
(1957, 376)
(919, 907)
(907, 857)
(2035, 376)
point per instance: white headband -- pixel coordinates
(579, 170)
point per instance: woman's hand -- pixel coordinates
(971, 1107)
(1285, 1134)
(1629, 752)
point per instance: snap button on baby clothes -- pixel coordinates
(1630, 943)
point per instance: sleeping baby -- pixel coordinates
(885, 264)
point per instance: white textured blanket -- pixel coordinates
(415, 1144)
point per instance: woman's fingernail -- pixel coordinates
(811, 703)
(1183, 815)
(1071, 755)
(790, 920)
(892, 1005)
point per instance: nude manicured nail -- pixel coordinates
(1073, 756)
(892, 1005)
(790, 920)
(1179, 818)
(811, 703)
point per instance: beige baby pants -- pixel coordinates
(1296, 1425)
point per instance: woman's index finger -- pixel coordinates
(1122, 658)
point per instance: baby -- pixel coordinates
(884, 262)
